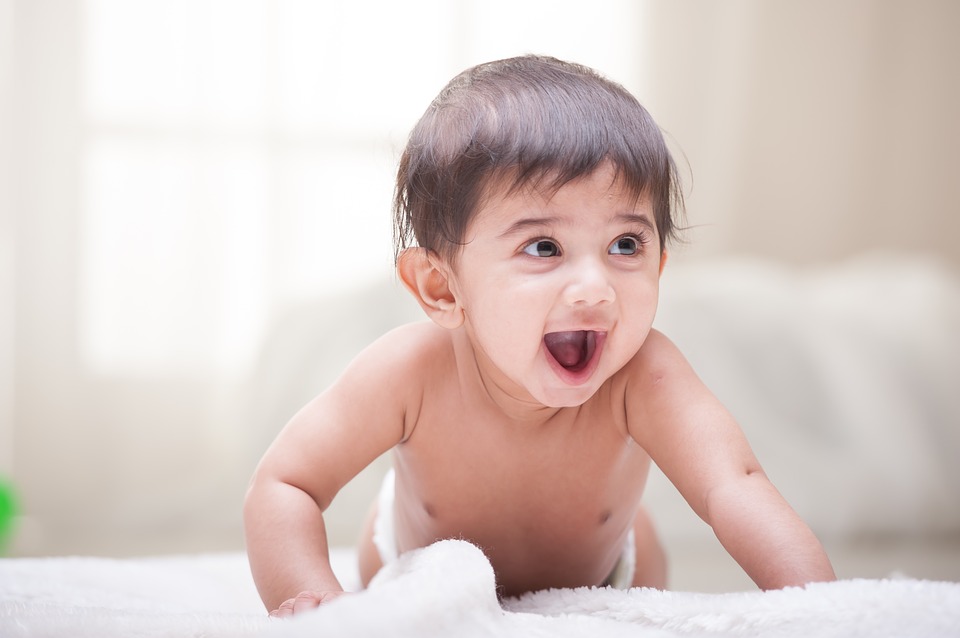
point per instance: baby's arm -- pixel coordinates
(286, 543)
(701, 449)
(322, 448)
(764, 534)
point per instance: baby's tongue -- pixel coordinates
(567, 347)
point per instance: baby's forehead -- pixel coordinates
(508, 196)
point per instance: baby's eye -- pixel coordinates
(542, 248)
(626, 245)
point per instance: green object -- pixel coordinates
(8, 512)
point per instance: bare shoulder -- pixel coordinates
(397, 368)
(659, 385)
(370, 408)
(659, 360)
(406, 354)
(410, 346)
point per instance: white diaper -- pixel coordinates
(622, 575)
(385, 540)
(384, 537)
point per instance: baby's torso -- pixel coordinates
(550, 504)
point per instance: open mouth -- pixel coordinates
(572, 350)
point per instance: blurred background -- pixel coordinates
(195, 238)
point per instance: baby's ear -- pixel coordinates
(426, 276)
(663, 261)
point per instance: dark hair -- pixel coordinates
(534, 120)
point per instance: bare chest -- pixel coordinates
(550, 505)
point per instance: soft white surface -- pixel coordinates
(445, 589)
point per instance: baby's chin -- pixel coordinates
(567, 397)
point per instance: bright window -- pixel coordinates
(239, 155)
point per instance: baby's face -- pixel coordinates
(559, 292)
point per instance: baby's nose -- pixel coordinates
(589, 284)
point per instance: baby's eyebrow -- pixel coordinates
(637, 218)
(522, 225)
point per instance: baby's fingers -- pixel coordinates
(285, 609)
(304, 601)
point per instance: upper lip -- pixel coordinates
(585, 319)
(578, 328)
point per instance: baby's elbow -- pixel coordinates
(250, 500)
(257, 488)
(753, 472)
(732, 490)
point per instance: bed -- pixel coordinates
(446, 589)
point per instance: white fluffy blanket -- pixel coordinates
(444, 590)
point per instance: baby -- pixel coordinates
(534, 204)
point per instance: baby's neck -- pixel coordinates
(493, 391)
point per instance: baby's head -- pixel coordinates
(527, 121)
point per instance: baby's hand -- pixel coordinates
(304, 601)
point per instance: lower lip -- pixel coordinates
(577, 377)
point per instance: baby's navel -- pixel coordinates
(605, 516)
